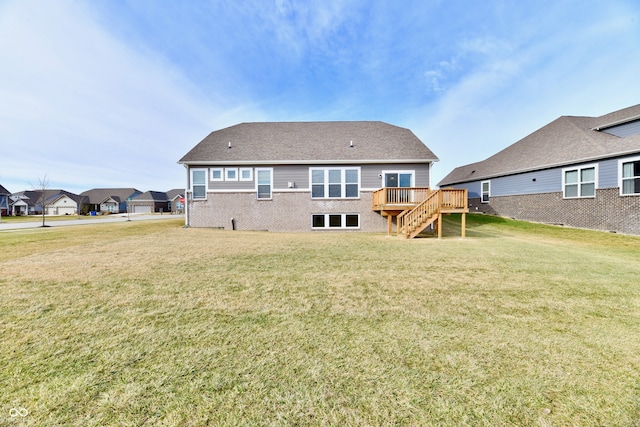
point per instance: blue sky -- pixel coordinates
(111, 93)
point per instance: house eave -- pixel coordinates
(543, 167)
(301, 162)
(616, 123)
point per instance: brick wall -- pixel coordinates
(287, 211)
(608, 211)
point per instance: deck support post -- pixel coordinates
(463, 224)
(389, 224)
(439, 225)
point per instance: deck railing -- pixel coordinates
(405, 196)
(437, 202)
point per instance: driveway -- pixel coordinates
(5, 225)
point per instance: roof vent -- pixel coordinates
(350, 144)
(229, 146)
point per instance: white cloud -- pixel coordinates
(89, 111)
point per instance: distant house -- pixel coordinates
(106, 200)
(303, 176)
(149, 202)
(4, 201)
(176, 200)
(54, 202)
(578, 171)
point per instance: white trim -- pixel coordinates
(206, 182)
(579, 169)
(620, 163)
(221, 170)
(227, 171)
(257, 172)
(488, 181)
(399, 171)
(343, 182)
(250, 178)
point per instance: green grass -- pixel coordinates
(148, 323)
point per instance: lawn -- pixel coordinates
(149, 323)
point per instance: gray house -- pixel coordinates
(4, 201)
(149, 202)
(106, 200)
(578, 171)
(303, 176)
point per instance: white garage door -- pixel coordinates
(141, 209)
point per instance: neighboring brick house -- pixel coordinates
(106, 200)
(4, 201)
(301, 176)
(149, 202)
(578, 171)
(176, 200)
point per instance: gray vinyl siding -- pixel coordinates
(608, 173)
(299, 176)
(546, 181)
(473, 188)
(627, 129)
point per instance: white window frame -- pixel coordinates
(221, 170)
(257, 172)
(384, 174)
(240, 173)
(206, 183)
(621, 162)
(343, 221)
(343, 183)
(579, 169)
(488, 192)
(227, 171)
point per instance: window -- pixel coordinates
(579, 182)
(246, 174)
(630, 177)
(231, 174)
(199, 183)
(335, 221)
(264, 183)
(486, 191)
(216, 174)
(335, 183)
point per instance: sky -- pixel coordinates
(112, 93)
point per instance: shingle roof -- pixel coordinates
(172, 194)
(51, 195)
(566, 140)
(4, 191)
(310, 142)
(99, 195)
(147, 196)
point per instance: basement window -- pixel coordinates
(335, 221)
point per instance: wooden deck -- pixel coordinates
(416, 208)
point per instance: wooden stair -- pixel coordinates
(416, 208)
(412, 222)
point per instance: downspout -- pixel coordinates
(186, 199)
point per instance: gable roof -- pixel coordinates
(176, 192)
(154, 196)
(32, 197)
(567, 140)
(4, 191)
(309, 142)
(99, 195)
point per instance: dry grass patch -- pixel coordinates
(153, 324)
